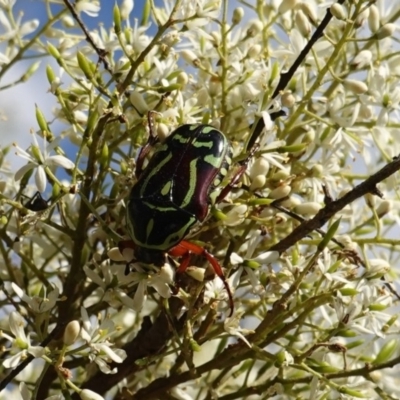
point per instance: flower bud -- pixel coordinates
(68, 21)
(309, 11)
(51, 76)
(191, 58)
(237, 15)
(386, 30)
(41, 120)
(117, 19)
(346, 242)
(85, 65)
(146, 12)
(259, 167)
(357, 87)
(386, 352)
(373, 18)
(362, 59)
(162, 131)
(87, 394)
(309, 208)
(288, 100)
(383, 208)
(280, 192)
(196, 273)
(71, 332)
(258, 182)
(338, 12)
(182, 78)
(53, 51)
(138, 101)
(303, 23)
(287, 5)
(254, 51)
(256, 26)
(290, 202)
(126, 8)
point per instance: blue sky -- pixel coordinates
(17, 104)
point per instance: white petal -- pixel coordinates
(105, 348)
(25, 393)
(36, 351)
(125, 299)
(40, 179)
(61, 161)
(17, 326)
(4, 59)
(93, 276)
(267, 257)
(235, 259)
(29, 27)
(20, 293)
(140, 296)
(23, 170)
(13, 361)
(87, 394)
(90, 9)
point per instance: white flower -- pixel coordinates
(231, 325)
(160, 281)
(89, 7)
(38, 304)
(96, 336)
(214, 290)
(21, 342)
(44, 161)
(252, 265)
(16, 28)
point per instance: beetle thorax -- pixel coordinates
(150, 256)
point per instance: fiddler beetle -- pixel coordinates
(175, 191)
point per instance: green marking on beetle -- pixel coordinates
(217, 182)
(192, 183)
(198, 144)
(181, 139)
(214, 161)
(149, 227)
(154, 172)
(177, 236)
(158, 208)
(208, 129)
(166, 189)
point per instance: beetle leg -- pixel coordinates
(243, 166)
(151, 141)
(185, 248)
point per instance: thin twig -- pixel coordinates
(287, 76)
(102, 53)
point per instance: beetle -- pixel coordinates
(175, 191)
(37, 203)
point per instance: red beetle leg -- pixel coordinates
(239, 173)
(185, 248)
